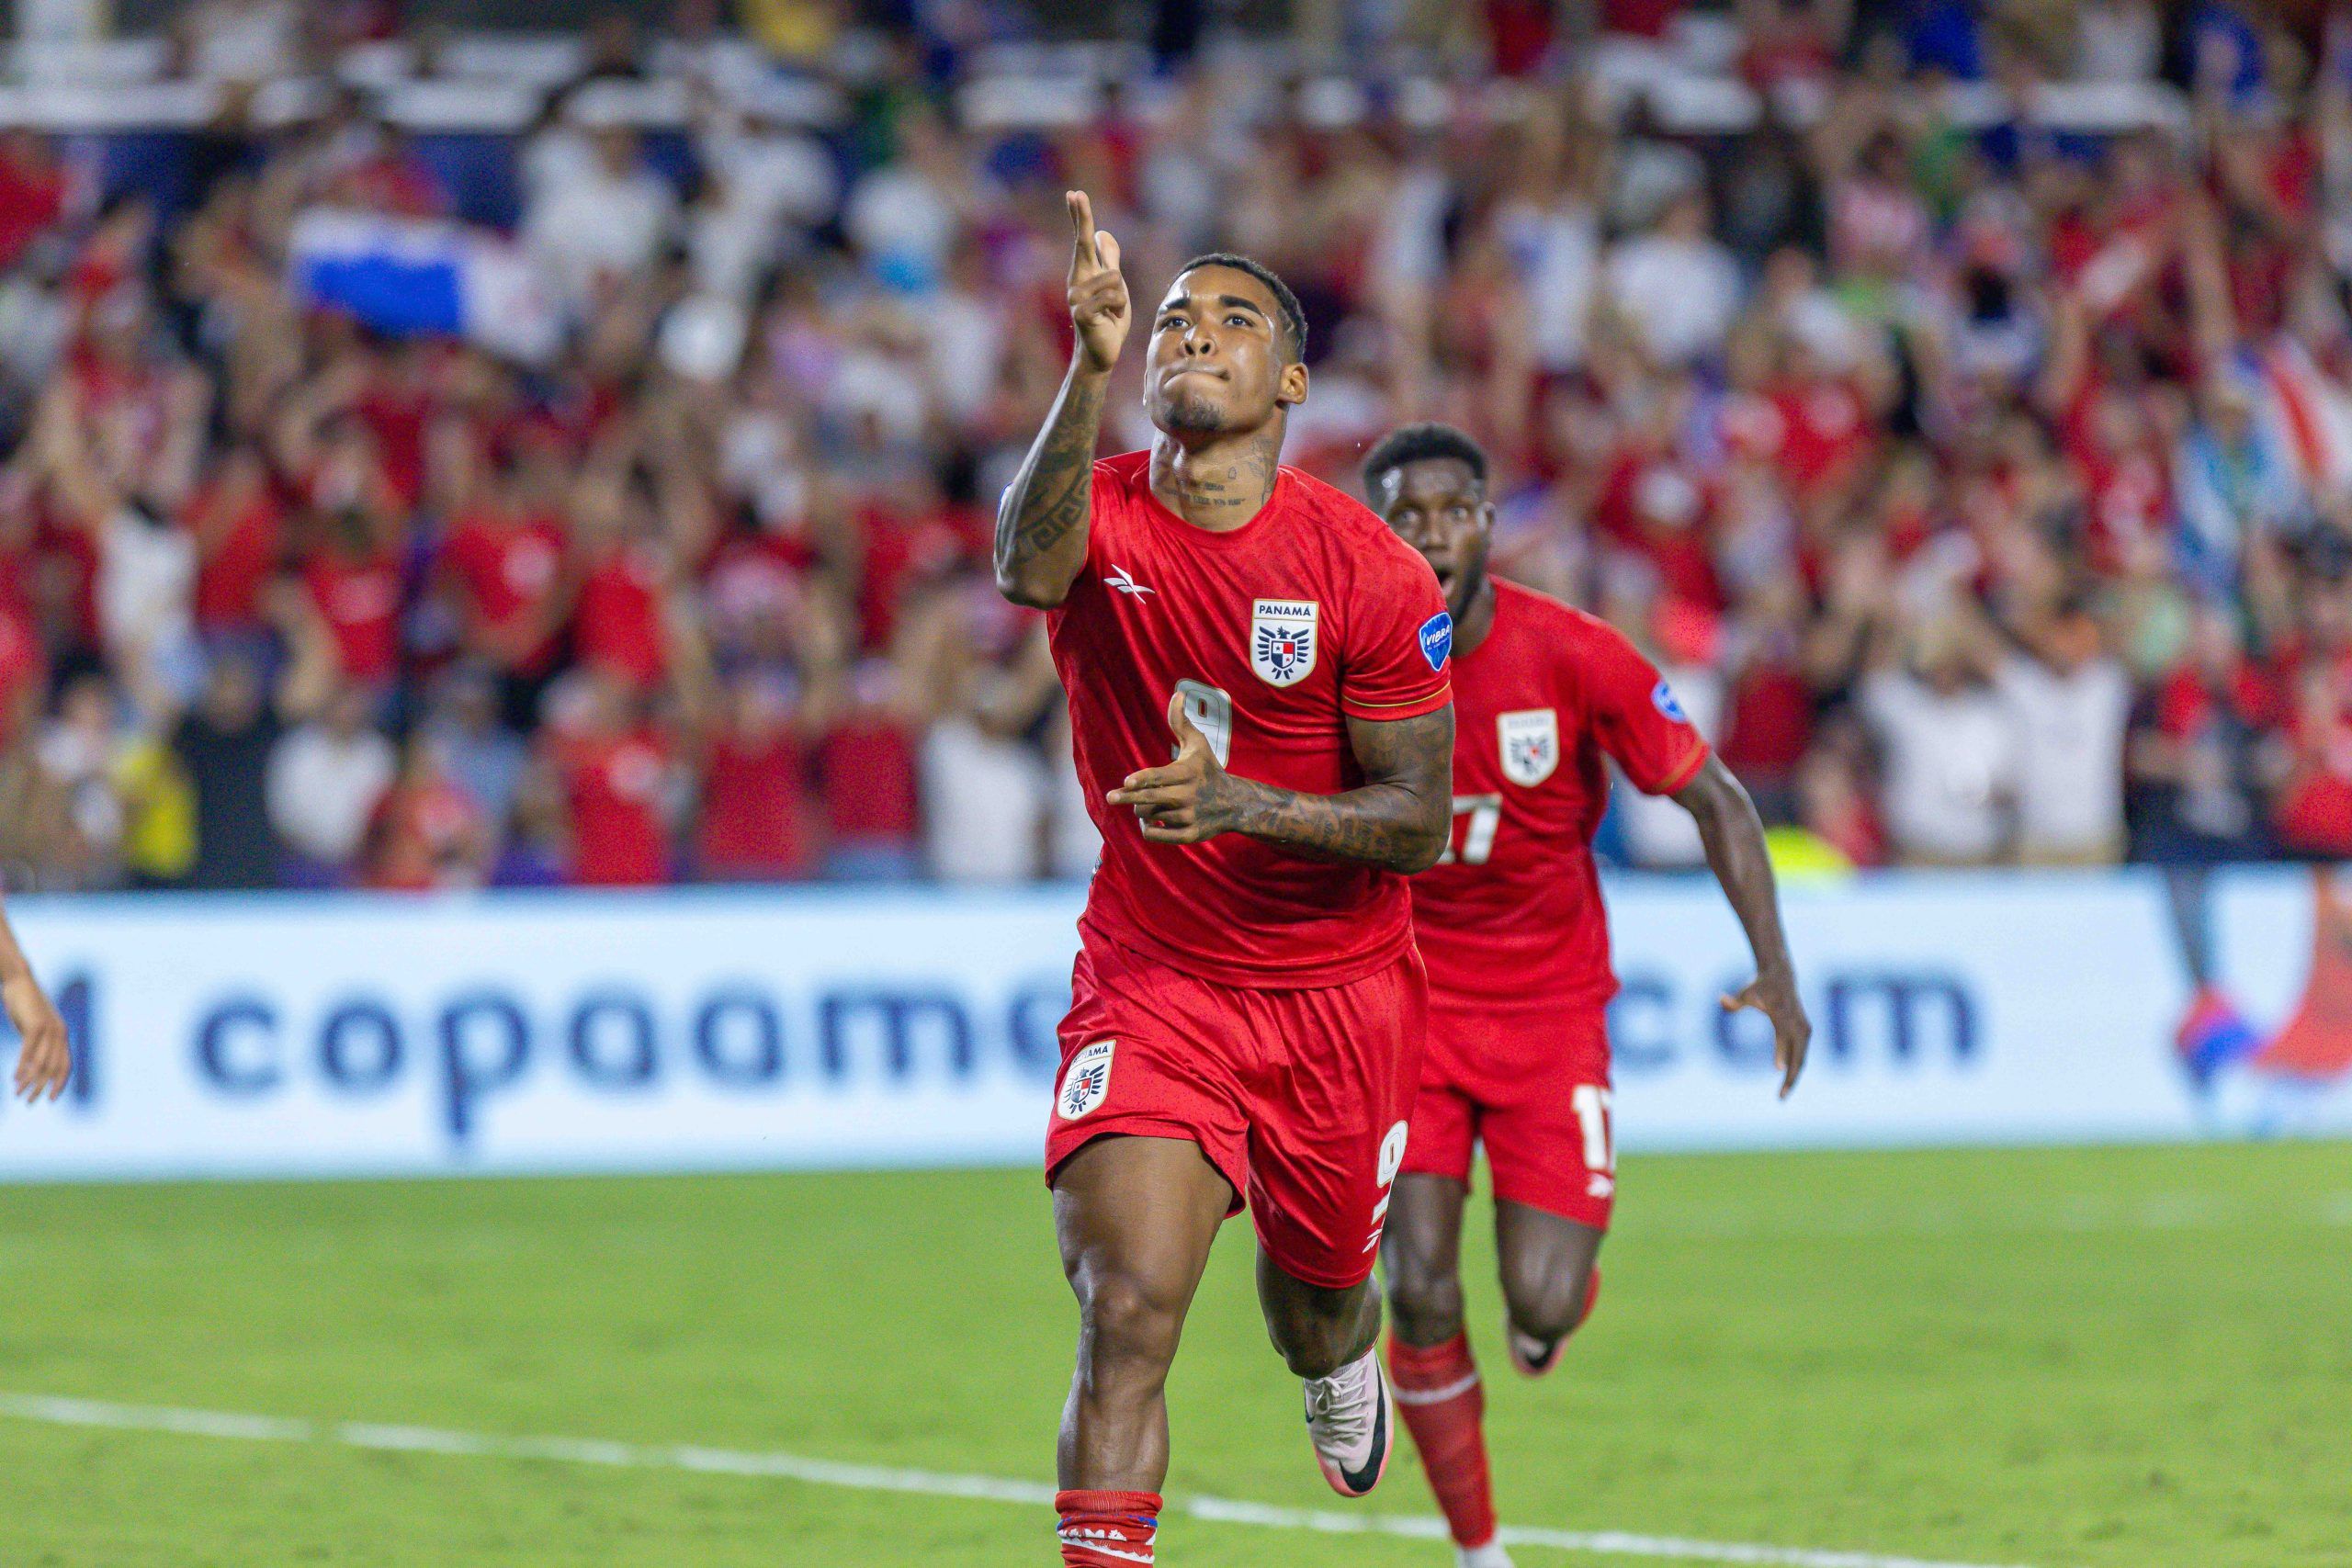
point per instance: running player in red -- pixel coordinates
(1518, 950)
(1247, 1006)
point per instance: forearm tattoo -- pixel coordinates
(1045, 509)
(1398, 819)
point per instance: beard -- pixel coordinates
(1190, 414)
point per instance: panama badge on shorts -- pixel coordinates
(1531, 742)
(1281, 640)
(1088, 1082)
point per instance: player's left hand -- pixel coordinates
(1189, 800)
(45, 1062)
(1775, 996)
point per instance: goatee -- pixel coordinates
(1194, 415)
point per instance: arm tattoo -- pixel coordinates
(1398, 819)
(1041, 523)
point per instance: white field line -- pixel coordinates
(871, 1478)
(2076, 1214)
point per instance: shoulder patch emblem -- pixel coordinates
(1281, 640)
(1530, 744)
(1437, 639)
(1662, 698)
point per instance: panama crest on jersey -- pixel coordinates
(1281, 640)
(1088, 1082)
(1530, 743)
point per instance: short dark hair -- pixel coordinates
(1293, 322)
(1420, 443)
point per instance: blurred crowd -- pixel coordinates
(1984, 483)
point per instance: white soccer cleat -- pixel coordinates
(1490, 1555)
(1530, 1356)
(1348, 1417)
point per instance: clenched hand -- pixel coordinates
(1191, 799)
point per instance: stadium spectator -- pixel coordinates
(223, 746)
(2069, 702)
(597, 220)
(325, 779)
(1951, 748)
(425, 831)
(1893, 368)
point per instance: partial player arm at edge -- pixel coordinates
(1398, 819)
(1733, 837)
(45, 1061)
(1041, 522)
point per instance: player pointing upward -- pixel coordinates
(1247, 1006)
(1519, 959)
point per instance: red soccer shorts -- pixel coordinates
(1533, 1087)
(1297, 1097)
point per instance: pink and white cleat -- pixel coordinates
(1534, 1357)
(1530, 1355)
(1348, 1417)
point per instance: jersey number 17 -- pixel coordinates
(1486, 814)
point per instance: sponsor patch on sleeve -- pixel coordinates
(1662, 698)
(1437, 639)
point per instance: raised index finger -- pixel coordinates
(1081, 218)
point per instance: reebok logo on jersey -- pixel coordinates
(1088, 1082)
(1437, 639)
(1125, 584)
(1662, 698)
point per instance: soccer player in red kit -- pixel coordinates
(1511, 925)
(1247, 1007)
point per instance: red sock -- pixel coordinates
(1438, 1394)
(1107, 1529)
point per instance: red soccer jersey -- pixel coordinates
(614, 787)
(1512, 916)
(360, 601)
(509, 572)
(618, 623)
(1278, 631)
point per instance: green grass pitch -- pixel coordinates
(2072, 1359)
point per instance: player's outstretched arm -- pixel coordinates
(1735, 853)
(43, 1063)
(1397, 818)
(1041, 522)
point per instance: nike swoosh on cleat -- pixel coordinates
(1360, 1481)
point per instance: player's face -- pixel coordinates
(1217, 363)
(1437, 505)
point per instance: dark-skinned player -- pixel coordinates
(1247, 1007)
(1511, 927)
